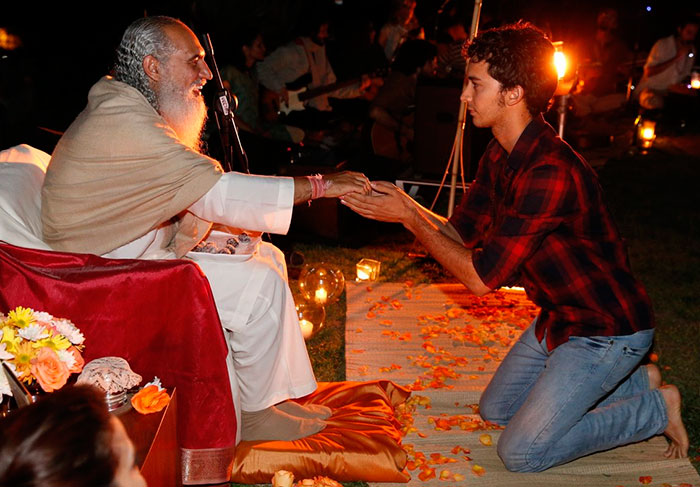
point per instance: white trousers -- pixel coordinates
(268, 362)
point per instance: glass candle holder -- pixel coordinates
(321, 283)
(695, 80)
(646, 133)
(311, 318)
(367, 270)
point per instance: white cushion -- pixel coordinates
(22, 170)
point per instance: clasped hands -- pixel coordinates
(377, 200)
(385, 203)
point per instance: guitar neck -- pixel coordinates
(322, 90)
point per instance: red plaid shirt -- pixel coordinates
(538, 217)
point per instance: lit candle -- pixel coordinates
(306, 328)
(646, 133)
(363, 272)
(695, 83)
(321, 296)
(367, 270)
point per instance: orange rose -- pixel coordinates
(150, 399)
(79, 361)
(49, 371)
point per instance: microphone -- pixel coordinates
(224, 106)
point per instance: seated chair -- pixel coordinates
(158, 315)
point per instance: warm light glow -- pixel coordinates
(560, 63)
(321, 296)
(646, 133)
(367, 270)
(311, 318)
(8, 41)
(320, 283)
(695, 80)
(307, 328)
(363, 273)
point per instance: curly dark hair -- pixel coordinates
(518, 55)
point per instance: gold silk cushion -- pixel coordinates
(361, 442)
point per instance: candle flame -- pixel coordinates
(321, 295)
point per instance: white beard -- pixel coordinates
(184, 112)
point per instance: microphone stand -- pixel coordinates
(456, 163)
(224, 117)
(456, 157)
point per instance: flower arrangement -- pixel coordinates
(39, 349)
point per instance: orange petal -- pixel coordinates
(427, 474)
(645, 480)
(485, 439)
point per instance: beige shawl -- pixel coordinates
(120, 171)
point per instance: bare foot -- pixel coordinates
(306, 411)
(675, 430)
(273, 424)
(654, 376)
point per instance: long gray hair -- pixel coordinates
(145, 36)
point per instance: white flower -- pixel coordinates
(42, 316)
(4, 383)
(283, 478)
(33, 332)
(155, 382)
(69, 330)
(67, 358)
(4, 354)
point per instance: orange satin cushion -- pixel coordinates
(361, 442)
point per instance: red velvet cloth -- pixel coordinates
(158, 315)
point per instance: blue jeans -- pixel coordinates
(587, 395)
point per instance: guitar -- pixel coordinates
(298, 97)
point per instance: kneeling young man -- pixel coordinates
(573, 384)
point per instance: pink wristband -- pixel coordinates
(318, 186)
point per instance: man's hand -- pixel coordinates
(337, 184)
(387, 203)
(345, 183)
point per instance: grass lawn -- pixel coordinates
(656, 203)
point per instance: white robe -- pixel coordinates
(268, 361)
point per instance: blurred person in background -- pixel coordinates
(670, 61)
(67, 438)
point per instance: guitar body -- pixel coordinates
(295, 102)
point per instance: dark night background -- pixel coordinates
(67, 47)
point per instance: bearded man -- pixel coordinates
(127, 180)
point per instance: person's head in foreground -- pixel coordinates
(67, 438)
(511, 71)
(163, 59)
